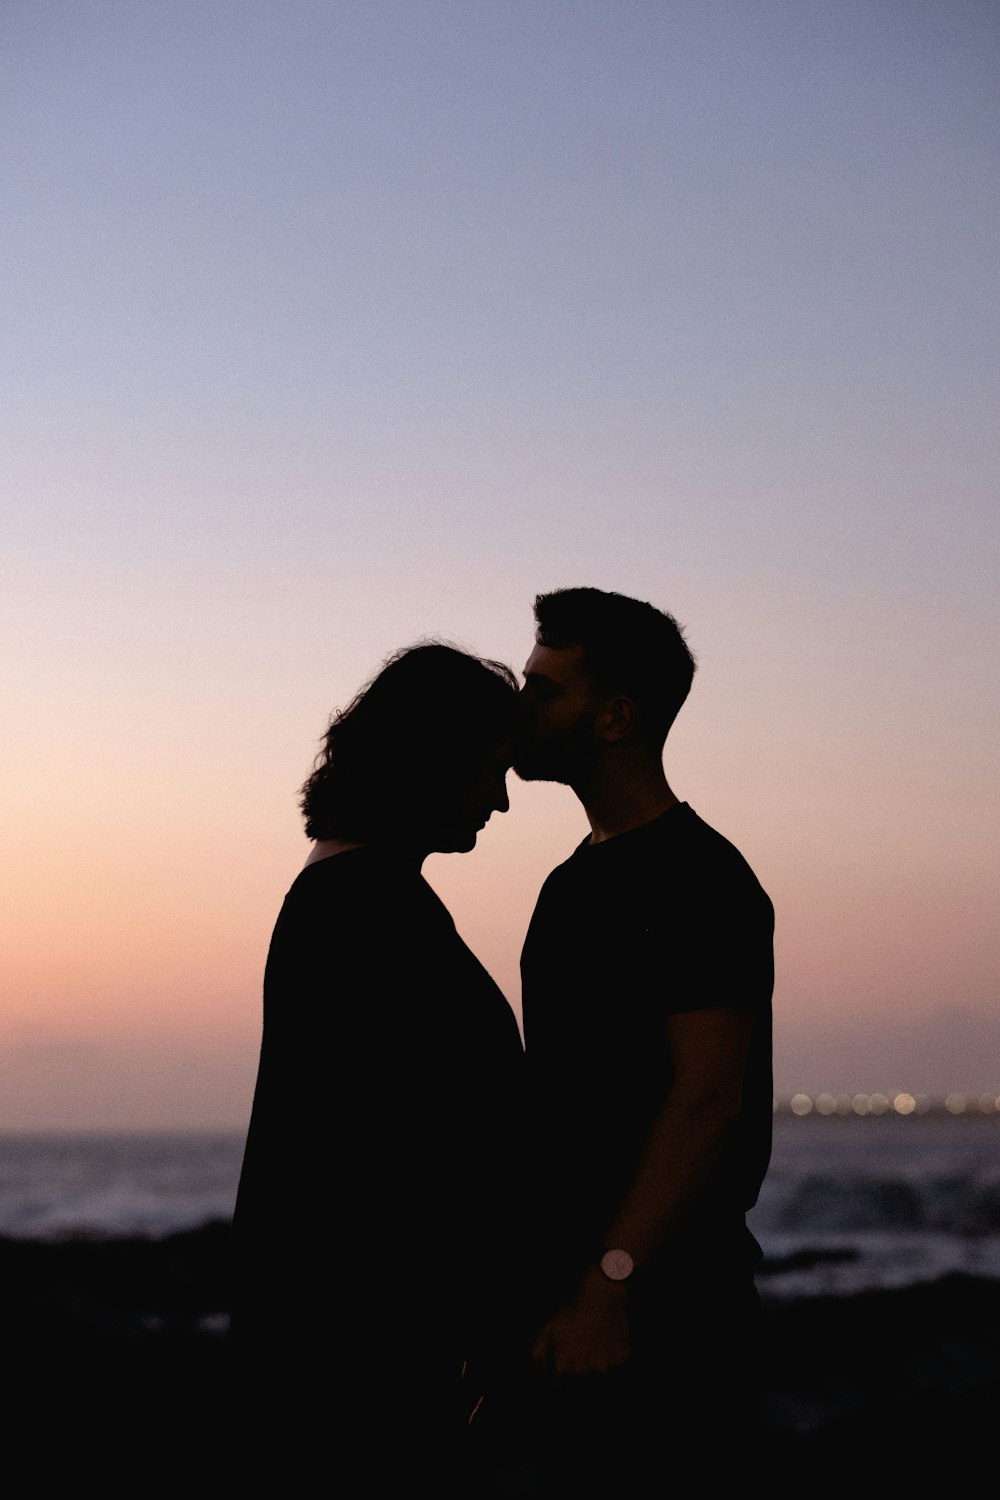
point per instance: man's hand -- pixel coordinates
(590, 1334)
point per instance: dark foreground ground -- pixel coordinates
(120, 1374)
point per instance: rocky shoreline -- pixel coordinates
(123, 1361)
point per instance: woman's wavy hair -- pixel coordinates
(412, 740)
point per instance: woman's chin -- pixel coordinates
(455, 842)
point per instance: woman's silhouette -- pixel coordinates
(375, 1206)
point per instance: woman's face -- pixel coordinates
(461, 823)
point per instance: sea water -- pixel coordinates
(116, 1185)
(852, 1205)
(848, 1204)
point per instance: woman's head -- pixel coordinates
(420, 755)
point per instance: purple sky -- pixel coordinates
(332, 326)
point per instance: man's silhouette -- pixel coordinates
(647, 977)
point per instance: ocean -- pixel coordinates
(873, 1204)
(849, 1204)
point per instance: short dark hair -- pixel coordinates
(415, 734)
(628, 647)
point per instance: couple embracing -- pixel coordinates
(467, 1267)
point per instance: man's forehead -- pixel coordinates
(563, 664)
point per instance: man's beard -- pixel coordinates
(567, 757)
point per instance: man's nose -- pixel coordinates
(501, 801)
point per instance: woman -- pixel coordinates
(375, 1222)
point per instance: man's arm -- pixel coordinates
(708, 1050)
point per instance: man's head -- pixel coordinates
(607, 671)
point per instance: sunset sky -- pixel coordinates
(332, 326)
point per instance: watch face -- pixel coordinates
(617, 1264)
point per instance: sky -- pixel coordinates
(328, 327)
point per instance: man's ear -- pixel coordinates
(615, 720)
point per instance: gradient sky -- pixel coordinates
(331, 326)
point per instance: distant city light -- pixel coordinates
(902, 1103)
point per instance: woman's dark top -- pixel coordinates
(375, 1215)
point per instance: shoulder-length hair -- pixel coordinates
(414, 737)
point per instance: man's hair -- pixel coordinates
(628, 647)
(412, 739)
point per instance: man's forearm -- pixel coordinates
(707, 1051)
(591, 1332)
(681, 1150)
(706, 1058)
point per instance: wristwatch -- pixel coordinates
(617, 1265)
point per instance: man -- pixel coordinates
(647, 975)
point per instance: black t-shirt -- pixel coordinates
(382, 1157)
(663, 919)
